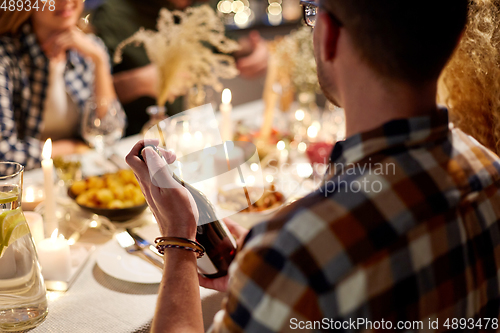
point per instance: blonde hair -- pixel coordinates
(10, 21)
(470, 83)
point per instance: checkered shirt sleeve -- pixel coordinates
(425, 247)
(26, 152)
(23, 85)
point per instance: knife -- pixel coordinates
(128, 244)
(142, 243)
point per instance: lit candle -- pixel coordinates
(32, 196)
(313, 130)
(283, 153)
(35, 222)
(225, 109)
(304, 170)
(49, 214)
(55, 258)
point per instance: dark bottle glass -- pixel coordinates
(213, 234)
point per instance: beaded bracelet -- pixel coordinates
(185, 241)
(161, 249)
(163, 243)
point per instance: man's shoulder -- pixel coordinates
(301, 241)
(112, 13)
(351, 217)
(109, 14)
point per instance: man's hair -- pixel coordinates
(403, 39)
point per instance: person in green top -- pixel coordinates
(135, 79)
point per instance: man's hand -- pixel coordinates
(172, 205)
(135, 83)
(255, 63)
(68, 147)
(220, 284)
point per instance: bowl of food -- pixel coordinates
(232, 198)
(116, 196)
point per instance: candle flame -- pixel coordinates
(47, 149)
(300, 115)
(312, 132)
(54, 234)
(226, 96)
(302, 147)
(30, 195)
(304, 170)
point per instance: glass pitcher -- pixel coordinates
(23, 302)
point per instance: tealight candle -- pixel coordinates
(35, 222)
(55, 258)
(32, 197)
(49, 213)
(225, 109)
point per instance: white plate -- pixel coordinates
(116, 262)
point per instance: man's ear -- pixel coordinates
(330, 33)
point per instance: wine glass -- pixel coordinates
(103, 125)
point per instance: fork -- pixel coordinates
(128, 244)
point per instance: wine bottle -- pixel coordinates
(213, 234)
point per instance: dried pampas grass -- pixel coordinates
(470, 83)
(184, 50)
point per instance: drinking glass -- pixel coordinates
(23, 303)
(103, 125)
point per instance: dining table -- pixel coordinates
(98, 302)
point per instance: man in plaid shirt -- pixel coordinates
(402, 235)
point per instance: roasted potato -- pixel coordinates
(112, 191)
(79, 187)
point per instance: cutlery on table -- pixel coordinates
(128, 243)
(117, 161)
(143, 244)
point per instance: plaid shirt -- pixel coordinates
(421, 241)
(24, 70)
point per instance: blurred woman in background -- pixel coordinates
(49, 69)
(470, 84)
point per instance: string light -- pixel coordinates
(240, 9)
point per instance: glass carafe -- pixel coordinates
(23, 302)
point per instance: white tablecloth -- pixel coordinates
(98, 303)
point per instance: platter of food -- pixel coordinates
(264, 204)
(116, 196)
